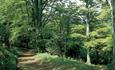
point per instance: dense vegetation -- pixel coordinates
(79, 29)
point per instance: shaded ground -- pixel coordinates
(28, 61)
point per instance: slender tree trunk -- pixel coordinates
(87, 30)
(113, 16)
(112, 6)
(88, 50)
(88, 57)
(40, 13)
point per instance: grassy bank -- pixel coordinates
(50, 62)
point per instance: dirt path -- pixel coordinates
(27, 61)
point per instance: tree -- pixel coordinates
(112, 6)
(113, 12)
(88, 21)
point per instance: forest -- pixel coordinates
(57, 34)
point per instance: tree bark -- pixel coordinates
(113, 29)
(87, 20)
(88, 57)
(88, 50)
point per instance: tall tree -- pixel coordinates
(113, 16)
(112, 6)
(87, 21)
(90, 20)
(38, 20)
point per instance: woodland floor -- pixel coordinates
(30, 61)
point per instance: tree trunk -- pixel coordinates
(88, 57)
(88, 50)
(37, 18)
(113, 16)
(87, 30)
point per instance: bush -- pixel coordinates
(7, 59)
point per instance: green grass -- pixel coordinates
(51, 62)
(58, 63)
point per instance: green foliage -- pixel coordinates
(4, 34)
(56, 27)
(7, 59)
